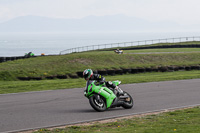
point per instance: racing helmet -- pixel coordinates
(87, 74)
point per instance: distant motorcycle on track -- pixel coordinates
(101, 98)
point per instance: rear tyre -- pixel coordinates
(97, 103)
(128, 103)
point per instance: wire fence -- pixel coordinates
(128, 44)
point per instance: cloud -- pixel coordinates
(180, 11)
(5, 13)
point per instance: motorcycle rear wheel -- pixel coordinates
(97, 104)
(129, 103)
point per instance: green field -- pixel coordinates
(180, 121)
(72, 63)
(26, 86)
(96, 60)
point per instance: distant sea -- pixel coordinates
(17, 44)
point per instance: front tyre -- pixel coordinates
(97, 103)
(128, 103)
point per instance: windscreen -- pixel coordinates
(87, 84)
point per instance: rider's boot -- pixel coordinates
(115, 88)
(119, 91)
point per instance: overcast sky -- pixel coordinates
(180, 11)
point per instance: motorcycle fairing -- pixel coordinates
(103, 91)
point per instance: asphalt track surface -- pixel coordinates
(34, 110)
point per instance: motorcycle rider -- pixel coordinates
(89, 75)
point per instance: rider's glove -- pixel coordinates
(101, 82)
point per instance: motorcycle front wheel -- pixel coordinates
(97, 103)
(128, 103)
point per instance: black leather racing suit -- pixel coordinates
(101, 80)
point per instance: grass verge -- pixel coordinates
(101, 60)
(179, 121)
(27, 86)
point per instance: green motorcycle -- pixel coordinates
(101, 97)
